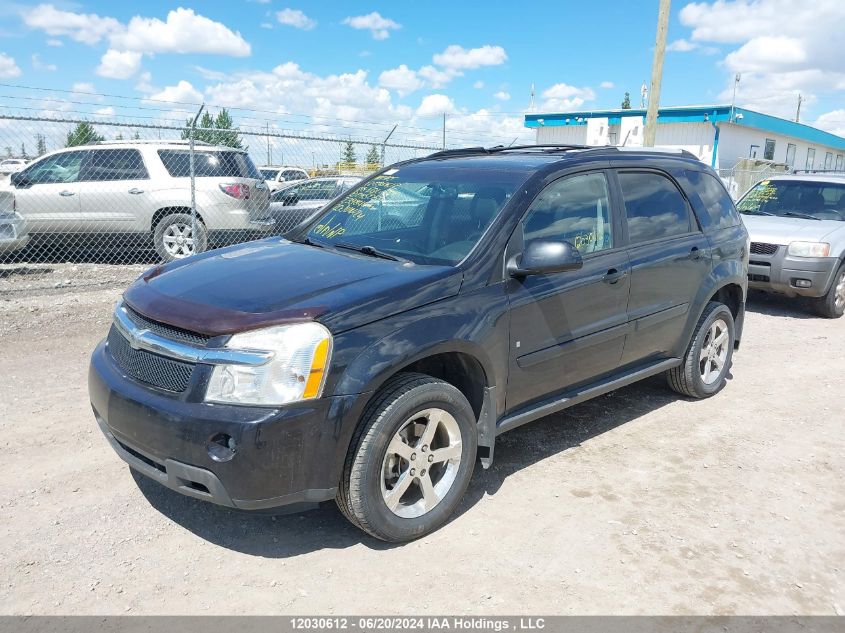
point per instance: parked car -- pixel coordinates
(373, 363)
(295, 202)
(142, 189)
(276, 177)
(13, 235)
(11, 165)
(797, 228)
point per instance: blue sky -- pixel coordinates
(372, 64)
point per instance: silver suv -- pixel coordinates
(142, 189)
(797, 229)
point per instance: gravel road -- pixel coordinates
(637, 502)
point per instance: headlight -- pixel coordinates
(809, 249)
(297, 371)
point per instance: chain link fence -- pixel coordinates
(742, 176)
(84, 198)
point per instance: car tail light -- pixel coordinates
(236, 190)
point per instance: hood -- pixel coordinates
(275, 281)
(776, 230)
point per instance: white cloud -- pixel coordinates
(456, 57)
(607, 85)
(108, 111)
(183, 92)
(119, 64)
(502, 95)
(437, 78)
(378, 26)
(183, 32)
(266, 25)
(88, 28)
(780, 47)
(436, 105)
(83, 87)
(8, 67)
(833, 121)
(401, 79)
(296, 19)
(55, 42)
(38, 64)
(563, 97)
(478, 85)
(682, 46)
(145, 83)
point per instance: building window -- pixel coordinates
(790, 154)
(828, 161)
(753, 151)
(839, 162)
(811, 158)
(769, 151)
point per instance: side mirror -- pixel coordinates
(544, 257)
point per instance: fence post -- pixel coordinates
(191, 135)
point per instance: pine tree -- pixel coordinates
(348, 154)
(83, 134)
(23, 152)
(137, 136)
(40, 145)
(119, 136)
(373, 156)
(626, 102)
(219, 130)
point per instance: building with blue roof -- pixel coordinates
(720, 135)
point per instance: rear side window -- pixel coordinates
(654, 207)
(114, 164)
(719, 209)
(209, 164)
(293, 175)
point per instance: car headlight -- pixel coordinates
(297, 370)
(809, 249)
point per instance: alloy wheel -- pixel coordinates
(421, 463)
(178, 240)
(714, 352)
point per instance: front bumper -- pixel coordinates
(282, 456)
(13, 234)
(792, 276)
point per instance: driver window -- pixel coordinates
(574, 209)
(60, 168)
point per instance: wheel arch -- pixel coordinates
(163, 212)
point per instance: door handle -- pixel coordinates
(695, 253)
(67, 193)
(135, 191)
(614, 275)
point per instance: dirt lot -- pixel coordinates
(638, 502)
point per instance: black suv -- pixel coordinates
(373, 355)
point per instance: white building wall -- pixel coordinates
(696, 138)
(735, 143)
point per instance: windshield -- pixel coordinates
(428, 215)
(795, 198)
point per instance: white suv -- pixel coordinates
(141, 189)
(278, 177)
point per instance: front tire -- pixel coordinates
(411, 459)
(705, 366)
(174, 239)
(832, 305)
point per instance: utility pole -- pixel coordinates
(733, 98)
(656, 74)
(444, 130)
(798, 112)
(269, 151)
(384, 142)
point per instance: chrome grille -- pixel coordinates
(761, 248)
(161, 372)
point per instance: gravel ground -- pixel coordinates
(637, 502)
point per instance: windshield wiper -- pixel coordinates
(372, 251)
(749, 212)
(798, 214)
(309, 242)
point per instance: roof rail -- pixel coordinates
(149, 142)
(552, 148)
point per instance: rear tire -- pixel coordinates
(173, 238)
(706, 364)
(410, 460)
(832, 305)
